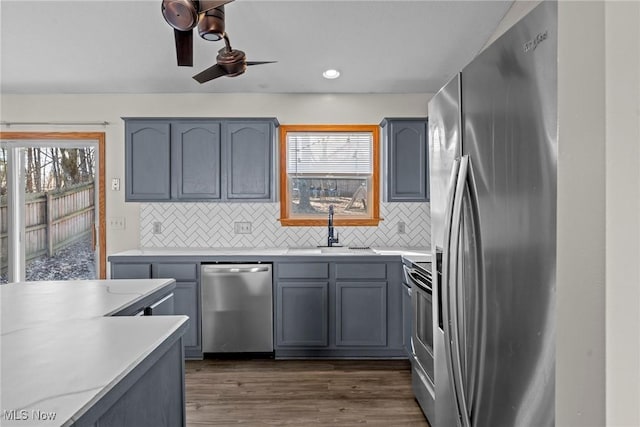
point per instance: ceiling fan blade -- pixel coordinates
(210, 73)
(184, 47)
(260, 62)
(211, 4)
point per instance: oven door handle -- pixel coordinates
(421, 281)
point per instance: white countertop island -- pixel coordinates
(65, 357)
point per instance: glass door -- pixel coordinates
(48, 210)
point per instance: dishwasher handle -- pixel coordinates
(214, 269)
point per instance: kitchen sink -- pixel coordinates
(329, 250)
(304, 251)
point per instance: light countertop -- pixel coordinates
(277, 252)
(60, 354)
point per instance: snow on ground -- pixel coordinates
(74, 262)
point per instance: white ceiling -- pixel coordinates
(92, 46)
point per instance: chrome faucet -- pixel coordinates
(330, 239)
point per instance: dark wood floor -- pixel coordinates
(300, 393)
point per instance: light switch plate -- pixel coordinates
(117, 223)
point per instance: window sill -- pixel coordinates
(337, 222)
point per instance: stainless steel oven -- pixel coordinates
(418, 275)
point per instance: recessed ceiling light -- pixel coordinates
(331, 74)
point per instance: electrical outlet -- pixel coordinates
(401, 227)
(115, 184)
(117, 223)
(242, 227)
(157, 227)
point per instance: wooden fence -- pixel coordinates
(53, 220)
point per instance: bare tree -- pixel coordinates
(37, 165)
(86, 162)
(29, 188)
(3, 171)
(69, 164)
(55, 168)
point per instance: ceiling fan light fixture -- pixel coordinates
(211, 24)
(331, 74)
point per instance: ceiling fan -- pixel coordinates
(208, 16)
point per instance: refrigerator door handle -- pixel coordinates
(452, 294)
(446, 276)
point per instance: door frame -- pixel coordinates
(100, 138)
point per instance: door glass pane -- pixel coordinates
(60, 213)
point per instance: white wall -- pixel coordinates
(580, 288)
(622, 21)
(288, 109)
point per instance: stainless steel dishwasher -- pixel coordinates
(237, 308)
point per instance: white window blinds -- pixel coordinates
(325, 153)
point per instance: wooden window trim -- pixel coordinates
(285, 219)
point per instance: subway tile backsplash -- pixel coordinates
(213, 225)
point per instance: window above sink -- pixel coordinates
(323, 165)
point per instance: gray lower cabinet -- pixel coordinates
(186, 295)
(405, 160)
(200, 159)
(361, 314)
(338, 309)
(186, 301)
(302, 318)
(151, 394)
(140, 270)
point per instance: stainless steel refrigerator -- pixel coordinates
(493, 150)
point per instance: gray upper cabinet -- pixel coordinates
(249, 160)
(195, 160)
(148, 154)
(405, 160)
(200, 159)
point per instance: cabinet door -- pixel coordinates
(407, 161)
(131, 271)
(186, 302)
(195, 160)
(249, 160)
(302, 314)
(361, 313)
(147, 156)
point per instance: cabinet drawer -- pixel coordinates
(131, 271)
(303, 270)
(180, 272)
(361, 271)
